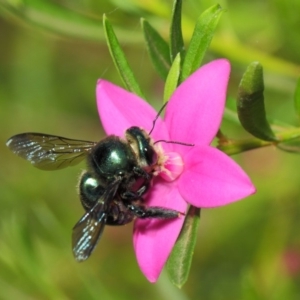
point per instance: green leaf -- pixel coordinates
(172, 79)
(55, 18)
(200, 41)
(250, 103)
(179, 262)
(61, 20)
(158, 49)
(176, 39)
(120, 60)
(297, 97)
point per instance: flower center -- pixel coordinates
(169, 164)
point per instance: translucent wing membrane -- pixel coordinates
(49, 152)
(88, 230)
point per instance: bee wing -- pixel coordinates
(88, 230)
(49, 152)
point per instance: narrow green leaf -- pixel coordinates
(172, 79)
(176, 39)
(179, 262)
(55, 18)
(297, 97)
(61, 20)
(200, 41)
(250, 103)
(120, 60)
(158, 49)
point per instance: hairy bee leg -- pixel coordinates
(153, 212)
(142, 173)
(128, 195)
(118, 214)
(131, 195)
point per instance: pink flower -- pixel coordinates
(203, 176)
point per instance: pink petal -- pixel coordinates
(120, 109)
(154, 239)
(212, 178)
(194, 112)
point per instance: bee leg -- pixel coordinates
(118, 214)
(152, 212)
(142, 173)
(135, 195)
(129, 195)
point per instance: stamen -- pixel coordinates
(169, 165)
(173, 166)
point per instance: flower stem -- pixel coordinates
(231, 146)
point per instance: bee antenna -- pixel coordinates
(158, 114)
(175, 142)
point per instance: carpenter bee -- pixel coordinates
(119, 172)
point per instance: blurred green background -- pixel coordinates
(51, 54)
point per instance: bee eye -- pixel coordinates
(141, 145)
(150, 155)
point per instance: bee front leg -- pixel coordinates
(129, 195)
(142, 173)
